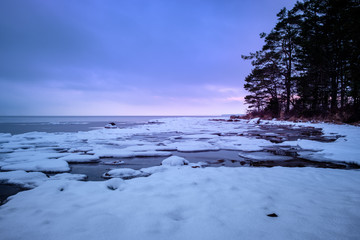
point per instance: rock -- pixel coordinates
(275, 140)
(111, 125)
(234, 117)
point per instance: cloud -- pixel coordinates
(57, 57)
(235, 99)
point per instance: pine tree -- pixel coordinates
(264, 83)
(282, 41)
(310, 62)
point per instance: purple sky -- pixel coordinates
(134, 57)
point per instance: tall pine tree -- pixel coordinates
(309, 65)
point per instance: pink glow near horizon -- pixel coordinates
(125, 58)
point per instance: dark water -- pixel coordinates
(8, 190)
(94, 171)
(227, 158)
(19, 124)
(50, 124)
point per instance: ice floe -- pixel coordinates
(50, 165)
(264, 156)
(112, 153)
(34, 179)
(37, 151)
(80, 158)
(193, 146)
(22, 178)
(123, 173)
(68, 176)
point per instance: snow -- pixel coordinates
(111, 126)
(174, 161)
(78, 158)
(187, 203)
(116, 162)
(190, 134)
(115, 184)
(242, 143)
(264, 156)
(51, 165)
(345, 148)
(34, 179)
(129, 154)
(69, 176)
(199, 136)
(22, 178)
(179, 200)
(194, 146)
(270, 134)
(123, 173)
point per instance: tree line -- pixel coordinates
(309, 65)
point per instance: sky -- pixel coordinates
(129, 57)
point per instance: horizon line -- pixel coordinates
(190, 115)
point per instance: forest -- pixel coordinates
(309, 64)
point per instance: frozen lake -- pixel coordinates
(40, 144)
(50, 124)
(175, 176)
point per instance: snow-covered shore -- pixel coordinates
(176, 201)
(51, 152)
(188, 203)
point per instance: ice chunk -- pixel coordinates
(115, 183)
(80, 149)
(51, 165)
(270, 134)
(22, 178)
(264, 156)
(80, 158)
(129, 154)
(242, 143)
(123, 173)
(199, 136)
(175, 161)
(194, 146)
(152, 154)
(116, 162)
(254, 121)
(69, 176)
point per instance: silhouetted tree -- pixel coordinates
(310, 62)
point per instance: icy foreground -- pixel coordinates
(187, 203)
(179, 199)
